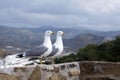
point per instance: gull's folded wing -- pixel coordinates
(37, 51)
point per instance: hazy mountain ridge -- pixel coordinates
(30, 37)
(83, 40)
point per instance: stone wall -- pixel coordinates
(99, 71)
(86, 70)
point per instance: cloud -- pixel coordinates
(94, 14)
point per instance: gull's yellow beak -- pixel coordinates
(53, 32)
(63, 33)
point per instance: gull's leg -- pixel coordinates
(40, 60)
(52, 60)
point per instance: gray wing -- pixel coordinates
(37, 51)
(54, 51)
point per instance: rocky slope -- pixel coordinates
(67, 71)
(83, 40)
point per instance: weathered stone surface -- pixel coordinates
(23, 69)
(61, 77)
(72, 65)
(74, 73)
(22, 73)
(56, 69)
(99, 70)
(53, 77)
(57, 77)
(99, 79)
(7, 77)
(110, 68)
(85, 70)
(36, 74)
(48, 68)
(63, 67)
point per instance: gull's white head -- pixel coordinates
(60, 33)
(48, 33)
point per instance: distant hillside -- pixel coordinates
(109, 34)
(83, 40)
(18, 37)
(30, 37)
(27, 37)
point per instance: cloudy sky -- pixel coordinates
(93, 14)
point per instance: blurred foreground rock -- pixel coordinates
(86, 70)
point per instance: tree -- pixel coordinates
(107, 51)
(88, 53)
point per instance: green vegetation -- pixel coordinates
(69, 58)
(107, 51)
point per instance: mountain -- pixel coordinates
(82, 40)
(109, 34)
(30, 37)
(18, 36)
(25, 37)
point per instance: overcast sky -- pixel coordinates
(93, 14)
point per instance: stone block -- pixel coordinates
(110, 68)
(56, 69)
(36, 74)
(86, 68)
(7, 77)
(57, 77)
(72, 65)
(63, 67)
(16, 69)
(74, 73)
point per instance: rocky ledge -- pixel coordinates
(85, 70)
